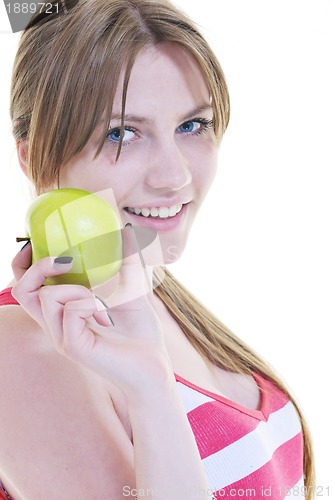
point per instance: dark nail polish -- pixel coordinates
(63, 260)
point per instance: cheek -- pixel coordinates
(83, 172)
(205, 171)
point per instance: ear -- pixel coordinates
(22, 153)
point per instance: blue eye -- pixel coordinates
(195, 126)
(188, 127)
(114, 135)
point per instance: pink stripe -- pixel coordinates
(272, 398)
(275, 479)
(277, 398)
(215, 428)
(6, 297)
(217, 425)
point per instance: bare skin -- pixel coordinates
(90, 408)
(80, 425)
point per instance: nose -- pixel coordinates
(168, 168)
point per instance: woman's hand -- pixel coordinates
(131, 353)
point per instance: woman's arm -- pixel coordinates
(167, 461)
(132, 356)
(60, 433)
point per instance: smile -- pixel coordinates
(156, 212)
(160, 219)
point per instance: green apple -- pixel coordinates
(77, 223)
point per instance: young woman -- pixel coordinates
(165, 402)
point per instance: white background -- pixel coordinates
(260, 255)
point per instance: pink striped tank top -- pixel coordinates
(245, 453)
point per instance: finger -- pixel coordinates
(133, 277)
(79, 336)
(55, 299)
(36, 275)
(26, 290)
(103, 318)
(22, 261)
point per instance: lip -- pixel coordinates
(159, 225)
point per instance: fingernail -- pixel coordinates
(106, 308)
(128, 224)
(110, 318)
(25, 245)
(63, 260)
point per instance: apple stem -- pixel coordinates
(26, 238)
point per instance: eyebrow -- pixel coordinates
(197, 111)
(149, 121)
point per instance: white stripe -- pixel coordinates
(252, 451)
(191, 399)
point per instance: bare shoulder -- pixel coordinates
(16, 325)
(58, 424)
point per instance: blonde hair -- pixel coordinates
(66, 62)
(65, 75)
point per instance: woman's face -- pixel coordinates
(169, 153)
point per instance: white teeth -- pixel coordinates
(154, 212)
(172, 211)
(145, 212)
(161, 212)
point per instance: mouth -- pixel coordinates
(161, 219)
(156, 212)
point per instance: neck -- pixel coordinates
(107, 290)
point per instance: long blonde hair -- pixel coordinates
(65, 75)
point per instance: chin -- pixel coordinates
(173, 248)
(172, 254)
(163, 250)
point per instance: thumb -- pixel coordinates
(134, 281)
(22, 261)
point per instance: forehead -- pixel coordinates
(163, 77)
